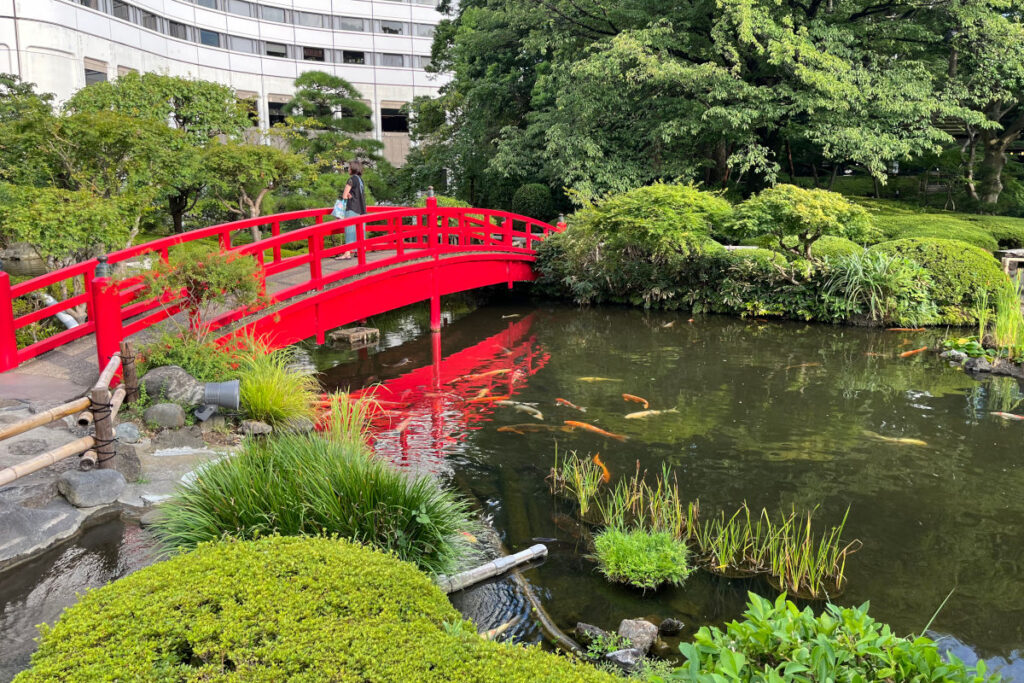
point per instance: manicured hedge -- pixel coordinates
(832, 247)
(958, 272)
(278, 609)
(933, 227)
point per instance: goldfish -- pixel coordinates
(470, 537)
(877, 355)
(482, 393)
(669, 324)
(1009, 416)
(690, 320)
(495, 632)
(522, 408)
(636, 399)
(897, 440)
(569, 404)
(489, 399)
(606, 476)
(533, 428)
(598, 379)
(649, 413)
(482, 375)
(804, 365)
(904, 329)
(911, 353)
(595, 430)
(401, 363)
(513, 315)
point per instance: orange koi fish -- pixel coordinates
(904, 329)
(569, 404)
(876, 355)
(595, 430)
(905, 354)
(1009, 416)
(489, 399)
(482, 393)
(636, 399)
(606, 476)
(482, 375)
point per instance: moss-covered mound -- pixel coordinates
(928, 226)
(277, 609)
(958, 271)
(832, 247)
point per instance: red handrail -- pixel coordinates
(117, 309)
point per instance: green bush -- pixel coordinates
(271, 390)
(645, 559)
(205, 361)
(446, 201)
(796, 217)
(924, 226)
(958, 272)
(533, 200)
(310, 484)
(280, 609)
(830, 247)
(777, 643)
(1008, 236)
(886, 288)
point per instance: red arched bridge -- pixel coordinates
(401, 256)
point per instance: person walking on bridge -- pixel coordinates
(354, 201)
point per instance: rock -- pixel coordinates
(670, 627)
(171, 383)
(27, 531)
(627, 660)
(150, 518)
(185, 437)
(127, 460)
(255, 428)
(89, 489)
(154, 498)
(977, 365)
(299, 425)
(663, 650)
(167, 415)
(954, 356)
(126, 432)
(28, 447)
(213, 424)
(640, 633)
(587, 633)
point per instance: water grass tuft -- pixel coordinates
(271, 389)
(576, 478)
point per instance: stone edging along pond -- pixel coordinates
(979, 367)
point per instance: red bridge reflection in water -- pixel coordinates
(421, 415)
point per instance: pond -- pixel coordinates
(777, 414)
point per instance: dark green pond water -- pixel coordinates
(775, 414)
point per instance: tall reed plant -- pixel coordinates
(576, 478)
(321, 484)
(1008, 323)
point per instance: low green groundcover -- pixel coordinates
(277, 609)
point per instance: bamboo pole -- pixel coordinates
(9, 474)
(107, 376)
(116, 400)
(129, 372)
(470, 577)
(87, 461)
(43, 418)
(85, 418)
(104, 425)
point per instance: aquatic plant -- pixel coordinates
(308, 485)
(779, 642)
(576, 478)
(281, 609)
(645, 559)
(271, 390)
(658, 507)
(1008, 322)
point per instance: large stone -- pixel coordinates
(186, 437)
(167, 415)
(588, 633)
(127, 460)
(627, 660)
(670, 627)
(255, 428)
(27, 531)
(299, 425)
(954, 356)
(28, 447)
(640, 633)
(126, 432)
(977, 365)
(171, 383)
(89, 489)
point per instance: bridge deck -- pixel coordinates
(68, 371)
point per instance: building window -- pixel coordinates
(122, 10)
(275, 113)
(125, 70)
(212, 4)
(351, 57)
(241, 8)
(149, 20)
(313, 54)
(211, 38)
(309, 19)
(394, 121)
(243, 44)
(94, 76)
(349, 24)
(179, 31)
(387, 59)
(273, 14)
(392, 28)
(424, 30)
(422, 61)
(251, 110)
(275, 50)
(91, 4)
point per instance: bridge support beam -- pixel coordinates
(435, 312)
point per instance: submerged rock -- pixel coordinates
(172, 383)
(670, 627)
(588, 633)
(89, 489)
(627, 660)
(640, 633)
(167, 415)
(954, 356)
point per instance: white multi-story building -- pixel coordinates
(257, 47)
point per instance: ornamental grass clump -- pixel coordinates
(310, 484)
(645, 559)
(1007, 329)
(272, 390)
(886, 288)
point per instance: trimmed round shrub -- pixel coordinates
(446, 201)
(777, 642)
(533, 200)
(796, 217)
(958, 272)
(279, 609)
(831, 247)
(645, 559)
(1008, 236)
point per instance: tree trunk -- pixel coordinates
(990, 173)
(721, 159)
(176, 206)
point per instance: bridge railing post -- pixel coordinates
(275, 230)
(8, 332)
(434, 233)
(562, 225)
(106, 306)
(361, 242)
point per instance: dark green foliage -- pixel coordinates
(206, 362)
(645, 559)
(885, 288)
(280, 609)
(309, 484)
(830, 247)
(908, 227)
(958, 272)
(533, 200)
(778, 643)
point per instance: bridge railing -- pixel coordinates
(115, 309)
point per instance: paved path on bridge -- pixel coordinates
(67, 372)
